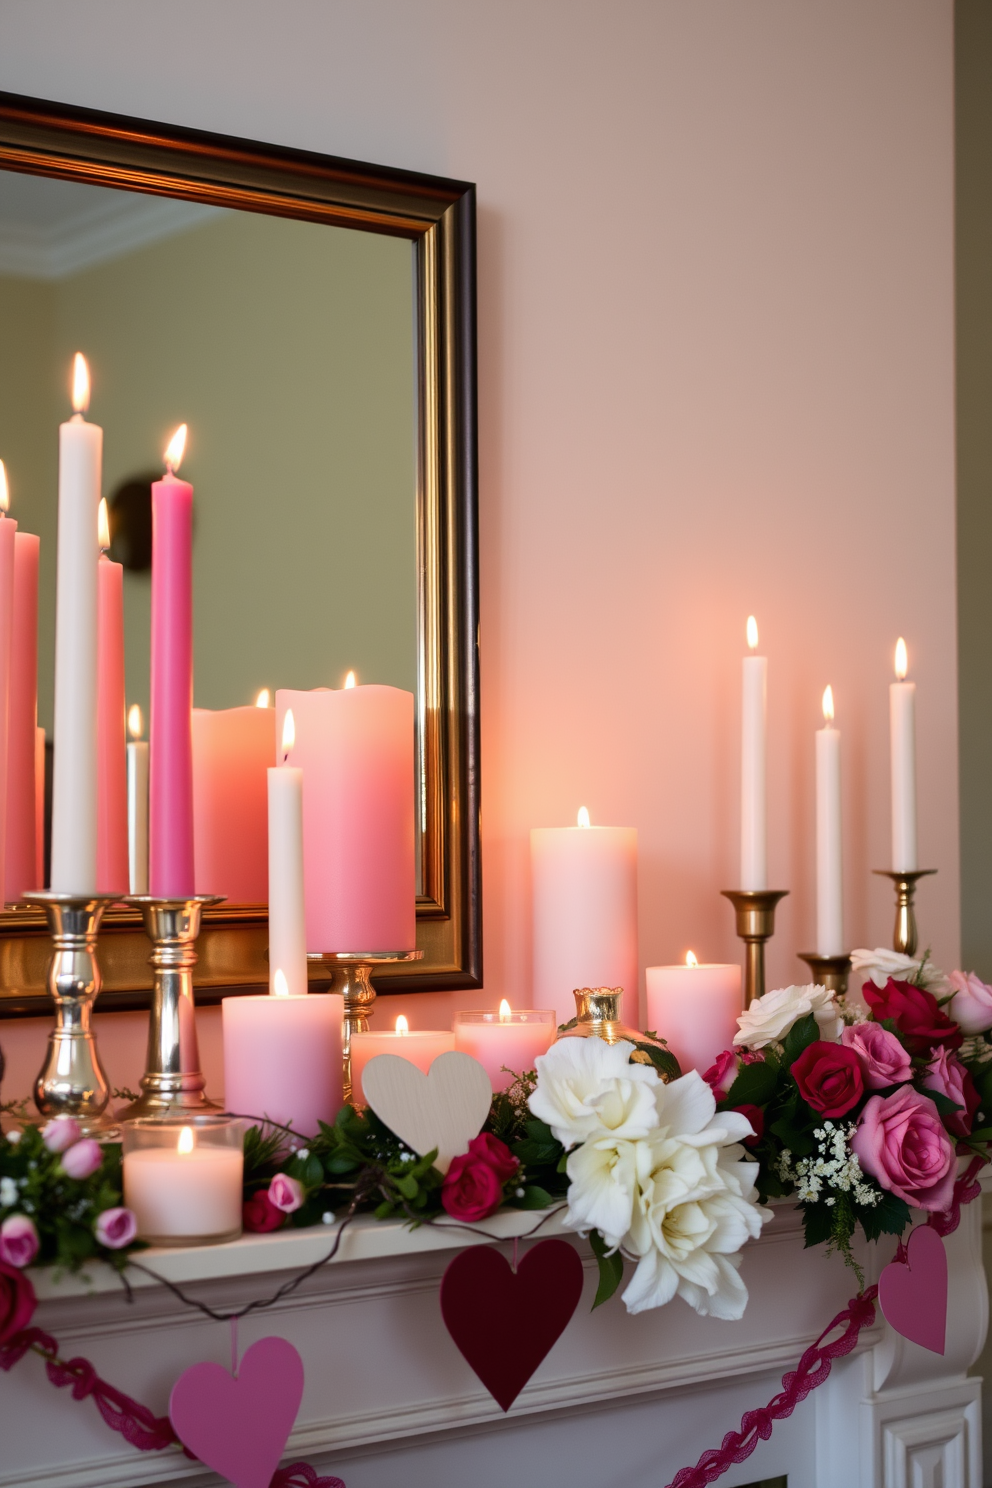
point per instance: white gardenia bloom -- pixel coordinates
(769, 1018)
(881, 964)
(587, 1088)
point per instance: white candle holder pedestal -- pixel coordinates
(172, 1084)
(755, 912)
(72, 1081)
(351, 973)
(831, 972)
(904, 933)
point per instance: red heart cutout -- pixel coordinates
(240, 1425)
(913, 1293)
(503, 1322)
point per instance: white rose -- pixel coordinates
(971, 1005)
(769, 1018)
(603, 1177)
(880, 964)
(587, 1088)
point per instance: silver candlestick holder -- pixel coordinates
(351, 975)
(173, 1084)
(755, 913)
(904, 933)
(72, 1081)
(831, 972)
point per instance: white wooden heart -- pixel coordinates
(444, 1109)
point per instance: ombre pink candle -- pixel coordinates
(111, 739)
(695, 1007)
(21, 868)
(355, 748)
(282, 1057)
(170, 787)
(232, 751)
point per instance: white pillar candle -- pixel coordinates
(287, 906)
(829, 874)
(421, 1047)
(137, 804)
(509, 1040)
(283, 1056)
(74, 786)
(754, 829)
(584, 896)
(695, 1008)
(184, 1189)
(902, 742)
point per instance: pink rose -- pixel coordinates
(60, 1133)
(18, 1241)
(883, 1058)
(17, 1301)
(116, 1228)
(721, 1074)
(491, 1150)
(471, 1189)
(948, 1076)
(902, 1144)
(82, 1158)
(971, 1004)
(286, 1193)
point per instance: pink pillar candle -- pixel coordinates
(111, 834)
(355, 748)
(282, 1058)
(696, 1009)
(232, 750)
(170, 789)
(420, 1048)
(505, 1041)
(21, 872)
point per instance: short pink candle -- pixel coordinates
(695, 1008)
(507, 1040)
(419, 1047)
(282, 1058)
(111, 745)
(355, 748)
(232, 751)
(21, 872)
(170, 786)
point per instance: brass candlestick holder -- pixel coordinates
(172, 1084)
(755, 911)
(831, 972)
(72, 1081)
(351, 973)
(904, 933)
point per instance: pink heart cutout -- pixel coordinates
(240, 1425)
(913, 1293)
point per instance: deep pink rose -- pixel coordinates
(948, 1076)
(829, 1077)
(901, 1143)
(721, 1074)
(286, 1193)
(915, 1013)
(82, 1158)
(971, 1004)
(18, 1241)
(60, 1133)
(884, 1061)
(471, 1190)
(259, 1215)
(116, 1228)
(491, 1150)
(756, 1116)
(17, 1301)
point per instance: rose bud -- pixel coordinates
(18, 1241)
(61, 1132)
(286, 1193)
(259, 1215)
(82, 1158)
(971, 1004)
(115, 1228)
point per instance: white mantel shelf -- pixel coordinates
(620, 1402)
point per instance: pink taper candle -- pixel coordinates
(111, 743)
(8, 532)
(21, 872)
(170, 787)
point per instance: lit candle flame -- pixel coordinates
(752, 632)
(134, 721)
(288, 732)
(185, 1144)
(80, 384)
(690, 959)
(175, 449)
(504, 1011)
(828, 705)
(4, 493)
(583, 817)
(351, 680)
(103, 525)
(902, 660)
(263, 699)
(280, 986)
(402, 1026)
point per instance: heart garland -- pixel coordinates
(912, 1290)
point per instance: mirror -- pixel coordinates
(312, 321)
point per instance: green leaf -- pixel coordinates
(538, 1148)
(407, 1186)
(818, 1223)
(797, 1141)
(754, 1086)
(982, 1134)
(944, 1104)
(534, 1197)
(610, 1269)
(889, 1217)
(798, 1038)
(663, 1060)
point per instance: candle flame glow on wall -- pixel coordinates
(4, 492)
(402, 1026)
(134, 721)
(583, 817)
(280, 986)
(264, 698)
(752, 632)
(350, 680)
(690, 958)
(175, 450)
(288, 733)
(902, 660)
(103, 525)
(828, 704)
(504, 1011)
(186, 1143)
(80, 384)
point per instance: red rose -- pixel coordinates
(260, 1215)
(721, 1074)
(756, 1116)
(495, 1154)
(829, 1077)
(471, 1189)
(915, 1013)
(17, 1301)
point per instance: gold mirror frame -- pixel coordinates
(438, 216)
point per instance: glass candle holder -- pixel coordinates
(510, 1039)
(183, 1178)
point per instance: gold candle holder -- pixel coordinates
(172, 1084)
(755, 911)
(351, 975)
(72, 1081)
(831, 972)
(904, 934)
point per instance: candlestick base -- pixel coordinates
(831, 972)
(351, 973)
(72, 1081)
(904, 934)
(755, 911)
(172, 1084)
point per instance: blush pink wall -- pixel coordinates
(715, 338)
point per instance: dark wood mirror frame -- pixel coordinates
(438, 216)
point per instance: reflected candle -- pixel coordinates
(137, 804)
(232, 750)
(22, 873)
(112, 876)
(420, 1048)
(695, 1008)
(509, 1040)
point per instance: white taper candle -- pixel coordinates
(902, 740)
(829, 873)
(754, 831)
